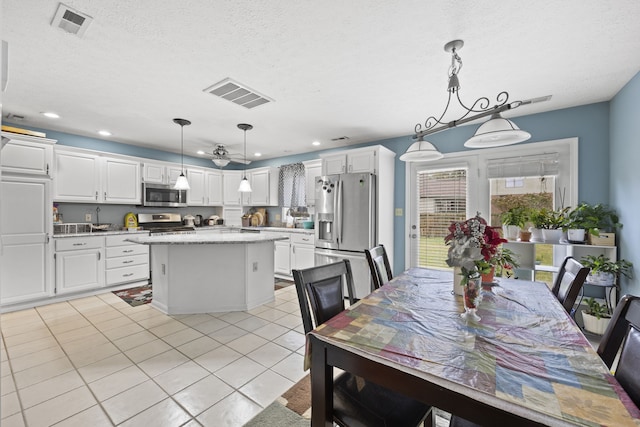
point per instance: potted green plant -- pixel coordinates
(604, 271)
(514, 221)
(596, 317)
(551, 223)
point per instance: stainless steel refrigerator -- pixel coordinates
(345, 223)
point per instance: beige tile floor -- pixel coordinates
(97, 361)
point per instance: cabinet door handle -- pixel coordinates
(79, 244)
(96, 195)
(127, 251)
(47, 168)
(127, 262)
(99, 256)
(105, 195)
(127, 275)
(306, 240)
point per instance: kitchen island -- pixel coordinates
(211, 272)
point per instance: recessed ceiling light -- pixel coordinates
(315, 143)
(51, 115)
(257, 154)
(200, 152)
(104, 132)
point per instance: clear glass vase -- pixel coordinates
(472, 298)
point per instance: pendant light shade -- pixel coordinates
(421, 151)
(181, 182)
(497, 132)
(245, 187)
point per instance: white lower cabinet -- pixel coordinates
(125, 261)
(302, 251)
(282, 260)
(79, 264)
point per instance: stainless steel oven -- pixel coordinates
(163, 195)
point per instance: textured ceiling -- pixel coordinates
(368, 70)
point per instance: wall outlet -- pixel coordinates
(399, 212)
(278, 217)
(87, 217)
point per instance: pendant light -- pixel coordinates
(496, 132)
(245, 187)
(181, 182)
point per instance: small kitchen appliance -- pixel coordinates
(164, 223)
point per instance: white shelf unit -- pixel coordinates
(526, 252)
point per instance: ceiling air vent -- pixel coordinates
(340, 138)
(70, 20)
(238, 93)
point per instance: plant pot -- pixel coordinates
(488, 278)
(593, 324)
(510, 232)
(524, 236)
(601, 279)
(575, 235)
(551, 235)
(536, 234)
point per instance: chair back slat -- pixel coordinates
(628, 370)
(571, 277)
(379, 265)
(627, 313)
(321, 292)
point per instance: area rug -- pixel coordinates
(292, 409)
(136, 296)
(280, 283)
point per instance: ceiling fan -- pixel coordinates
(221, 156)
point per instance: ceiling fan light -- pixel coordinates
(421, 151)
(245, 187)
(497, 132)
(182, 183)
(220, 162)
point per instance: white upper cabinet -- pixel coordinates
(29, 155)
(213, 181)
(159, 173)
(121, 181)
(83, 177)
(264, 187)
(196, 192)
(351, 161)
(230, 184)
(312, 170)
(77, 177)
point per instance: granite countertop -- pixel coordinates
(203, 239)
(284, 229)
(100, 233)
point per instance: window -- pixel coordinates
(542, 173)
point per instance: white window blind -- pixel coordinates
(442, 198)
(534, 165)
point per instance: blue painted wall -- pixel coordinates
(590, 123)
(625, 175)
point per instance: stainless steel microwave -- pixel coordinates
(163, 195)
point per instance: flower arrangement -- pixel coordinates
(471, 243)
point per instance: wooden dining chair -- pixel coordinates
(356, 402)
(628, 369)
(627, 313)
(569, 281)
(379, 265)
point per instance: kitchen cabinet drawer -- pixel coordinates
(302, 239)
(127, 261)
(119, 240)
(127, 274)
(119, 251)
(78, 243)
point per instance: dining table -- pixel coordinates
(525, 362)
